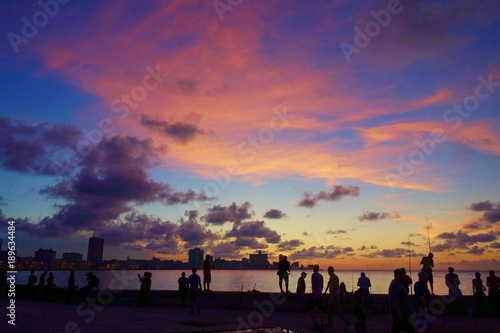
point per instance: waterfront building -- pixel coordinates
(46, 257)
(95, 250)
(196, 258)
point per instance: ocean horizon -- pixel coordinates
(247, 280)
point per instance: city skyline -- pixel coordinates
(333, 132)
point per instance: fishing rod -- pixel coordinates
(409, 256)
(428, 234)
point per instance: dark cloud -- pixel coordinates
(227, 250)
(446, 235)
(375, 216)
(274, 214)
(389, 253)
(182, 131)
(495, 245)
(184, 86)
(255, 229)
(491, 210)
(336, 232)
(220, 214)
(408, 243)
(310, 200)
(250, 243)
(36, 148)
(194, 234)
(481, 206)
(305, 233)
(442, 247)
(474, 225)
(348, 249)
(462, 240)
(476, 250)
(108, 181)
(315, 253)
(289, 245)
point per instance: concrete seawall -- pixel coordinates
(235, 300)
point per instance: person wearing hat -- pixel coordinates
(301, 290)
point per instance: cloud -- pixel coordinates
(194, 234)
(315, 253)
(442, 247)
(473, 225)
(309, 200)
(389, 253)
(495, 245)
(219, 214)
(336, 232)
(227, 250)
(481, 206)
(476, 251)
(289, 245)
(374, 216)
(250, 243)
(462, 240)
(182, 131)
(274, 214)
(255, 229)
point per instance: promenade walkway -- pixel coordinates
(53, 317)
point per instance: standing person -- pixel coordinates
(145, 291)
(32, 280)
(3, 283)
(183, 288)
(194, 287)
(423, 296)
(407, 281)
(301, 290)
(400, 304)
(427, 264)
(493, 284)
(71, 291)
(478, 290)
(316, 301)
(333, 300)
(283, 271)
(207, 275)
(358, 310)
(364, 285)
(452, 282)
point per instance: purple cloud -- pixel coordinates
(309, 200)
(256, 229)
(274, 214)
(219, 214)
(375, 216)
(184, 132)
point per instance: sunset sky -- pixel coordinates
(323, 130)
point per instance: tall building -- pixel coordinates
(47, 257)
(259, 259)
(96, 248)
(1, 241)
(72, 257)
(196, 258)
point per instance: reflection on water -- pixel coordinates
(262, 280)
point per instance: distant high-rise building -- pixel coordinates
(96, 249)
(1, 244)
(46, 256)
(195, 258)
(72, 257)
(259, 259)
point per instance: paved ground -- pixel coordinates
(38, 316)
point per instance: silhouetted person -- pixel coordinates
(207, 275)
(316, 301)
(194, 288)
(407, 281)
(301, 290)
(333, 300)
(400, 304)
(71, 291)
(283, 271)
(183, 288)
(145, 291)
(92, 282)
(364, 285)
(493, 284)
(427, 264)
(424, 298)
(50, 281)
(41, 284)
(32, 280)
(478, 290)
(3, 283)
(359, 311)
